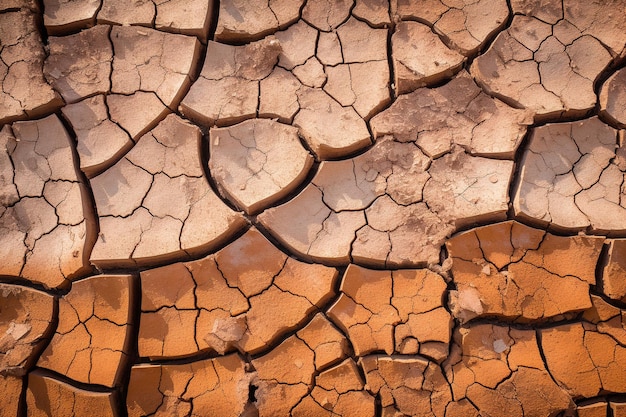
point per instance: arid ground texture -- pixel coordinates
(341, 208)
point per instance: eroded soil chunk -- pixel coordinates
(26, 320)
(393, 311)
(209, 387)
(47, 396)
(258, 162)
(500, 371)
(572, 176)
(91, 341)
(464, 25)
(518, 273)
(243, 297)
(138, 219)
(24, 91)
(549, 67)
(44, 224)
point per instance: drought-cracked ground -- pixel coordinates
(313, 208)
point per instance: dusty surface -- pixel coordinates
(313, 208)
(572, 176)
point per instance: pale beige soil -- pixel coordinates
(313, 208)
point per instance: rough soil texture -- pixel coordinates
(313, 208)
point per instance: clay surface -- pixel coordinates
(463, 26)
(26, 323)
(572, 176)
(210, 387)
(547, 68)
(275, 162)
(355, 208)
(245, 296)
(91, 341)
(518, 273)
(47, 396)
(400, 311)
(76, 76)
(45, 221)
(137, 221)
(25, 93)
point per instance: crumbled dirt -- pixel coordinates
(313, 208)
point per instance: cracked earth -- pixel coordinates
(313, 208)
